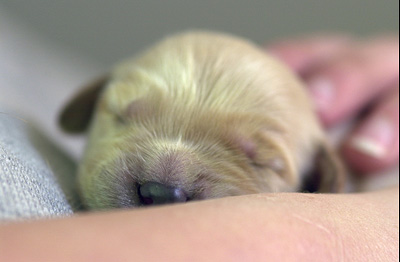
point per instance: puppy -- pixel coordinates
(199, 115)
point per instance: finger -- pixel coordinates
(342, 86)
(374, 144)
(300, 54)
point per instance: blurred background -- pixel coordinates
(106, 31)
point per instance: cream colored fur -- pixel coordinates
(206, 112)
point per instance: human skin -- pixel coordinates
(262, 227)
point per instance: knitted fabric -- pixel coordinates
(28, 187)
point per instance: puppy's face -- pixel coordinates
(191, 119)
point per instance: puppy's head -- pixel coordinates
(152, 144)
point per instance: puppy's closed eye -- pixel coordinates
(135, 110)
(257, 158)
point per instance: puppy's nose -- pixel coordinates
(153, 193)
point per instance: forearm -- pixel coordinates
(277, 227)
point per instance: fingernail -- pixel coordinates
(374, 138)
(323, 92)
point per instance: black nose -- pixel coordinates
(153, 193)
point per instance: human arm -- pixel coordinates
(264, 227)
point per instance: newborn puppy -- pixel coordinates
(198, 116)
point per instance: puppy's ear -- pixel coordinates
(328, 174)
(76, 116)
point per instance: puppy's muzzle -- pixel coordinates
(153, 193)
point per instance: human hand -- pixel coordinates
(346, 77)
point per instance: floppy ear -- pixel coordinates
(328, 174)
(76, 116)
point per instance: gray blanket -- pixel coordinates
(28, 186)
